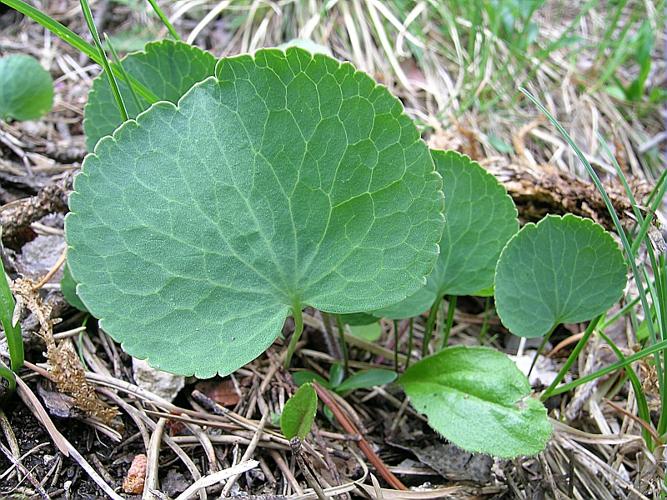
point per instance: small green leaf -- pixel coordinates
(306, 377)
(166, 68)
(478, 399)
(562, 270)
(26, 88)
(481, 218)
(615, 91)
(365, 379)
(499, 145)
(288, 180)
(68, 289)
(371, 332)
(336, 375)
(299, 413)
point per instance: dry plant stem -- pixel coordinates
(45, 279)
(10, 437)
(63, 445)
(286, 472)
(40, 490)
(15, 216)
(295, 445)
(216, 477)
(30, 400)
(349, 427)
(152, 461)
(638, 420)
(246, 455)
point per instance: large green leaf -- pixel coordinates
(288, 180)
(478, 399)
(299, 413)
(167, 68)
(481, 218)
(562, 270)
(26, 88)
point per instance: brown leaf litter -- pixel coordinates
(64, 364)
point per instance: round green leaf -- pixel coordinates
(26, 88)
(288, 180)
(562, 270)
(167, 68)
(463, 383)
(481, 218)
(68, 289)
(299, 413)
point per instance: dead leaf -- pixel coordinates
(222, 392)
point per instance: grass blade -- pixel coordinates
(619, 365)
(164, 19)
(12, 331)
(74, 40)
(126, 76)
(612, 213)
(571, 358)
(88, 16)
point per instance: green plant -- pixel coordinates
(460, 383)
(26, 88)
(562, 270)
(299, 412)
(637, 47)
(12, 331)
(260, 185)
(481, 218)
(363, 379)
(169, 69)
(286, 180)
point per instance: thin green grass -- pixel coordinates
(75, 41)
(164, 19)
(88, 16)
(657, 307)
(12, 332)
(12, 329)
(126, 76)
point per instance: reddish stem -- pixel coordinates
(364, 445)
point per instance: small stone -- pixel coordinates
(40, 255)
(174, 483)
(544, 372)
(133, 484)
(163, 384)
